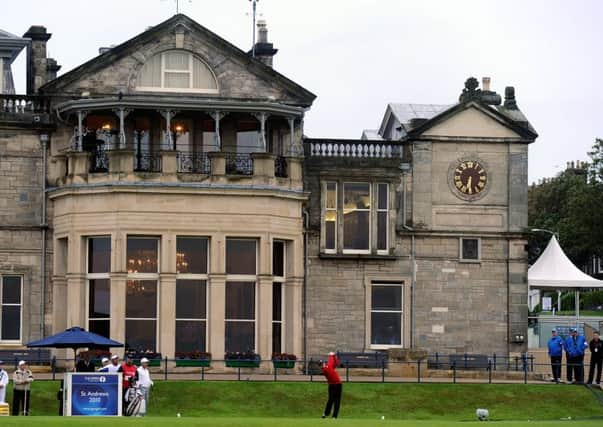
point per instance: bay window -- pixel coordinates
(99, 285)
(240, 305)
(142, 256)
(11, 304)
(191, 294)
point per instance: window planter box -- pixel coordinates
(242, 360)
(284, 360)
(154, 358)
(193, 363)
(283, 364)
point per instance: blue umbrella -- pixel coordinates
(75, 338)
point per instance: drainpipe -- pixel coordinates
(305, 287)
(43, 227)
(405, 167)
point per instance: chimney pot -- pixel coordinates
(486, 84)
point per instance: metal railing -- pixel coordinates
(24, 104)
(194, 163)
(99, 161)
(418, 371)
(147, 162)
(239, 164)
(281, 169)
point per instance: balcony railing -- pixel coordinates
(147, 162)
(357, 149)
(194, 163)
(99, 161)
(239, 164)
(280, 167)
(24, 104)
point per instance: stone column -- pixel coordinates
(218, 163)
(264, 316)
(216, 315)
(216, 296)
(263, 164)
(76, 300)
(118, 306)
(121, 161)
(169, 161)
(167, 315)
(217, 115)
(79, 163)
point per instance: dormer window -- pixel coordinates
(177, 71)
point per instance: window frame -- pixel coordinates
(479, 250)
(145, 277)
(370, 214)
(380, 210)
(326, 209)
(245, 278)
(194, 276)
(371, 311)
(190, 71)
(21, 289)
(97, 276)
(281, 281)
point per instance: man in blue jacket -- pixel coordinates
(574, 347)
(555, 353)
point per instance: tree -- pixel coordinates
(572, 205)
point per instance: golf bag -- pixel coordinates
(134, 402)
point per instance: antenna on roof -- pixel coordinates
(177, 3)
(253, 7)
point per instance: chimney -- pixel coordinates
(510, 103)
(37, 66)
(52, 68)
(264, 51)
(486, 84)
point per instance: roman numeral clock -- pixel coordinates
(468, 178)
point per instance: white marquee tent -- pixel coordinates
(554, 270)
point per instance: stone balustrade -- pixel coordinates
(353, 148)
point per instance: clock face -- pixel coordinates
(470, 178)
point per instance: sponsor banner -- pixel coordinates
(94, 394)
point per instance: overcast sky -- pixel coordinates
(358, 55)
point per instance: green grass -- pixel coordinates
(269, 422)
(300, 404)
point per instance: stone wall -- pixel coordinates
(20, 219)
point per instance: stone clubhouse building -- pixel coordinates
(164, 194)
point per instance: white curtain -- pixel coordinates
(203, 78)
(176, 80)
(177, 61)
(150, 76)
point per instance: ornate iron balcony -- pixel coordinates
(194, 163)
(239, 164)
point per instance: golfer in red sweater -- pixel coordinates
(328, 370)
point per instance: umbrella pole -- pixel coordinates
(577, 304)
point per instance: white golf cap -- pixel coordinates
(22, 362)
(115, 356)
(144, 360)
(104, 360)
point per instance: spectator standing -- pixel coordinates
(555, 345)
(105, 362)
(22, 379)
(596, 358)
(575, 345)
(335, 387)
(84, 364)
(114, 366)
(144, 383)
(3, 382)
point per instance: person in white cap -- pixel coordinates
(105, 365)
(3, 382)
(114, 365)
(144, 382)
(22, 379)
